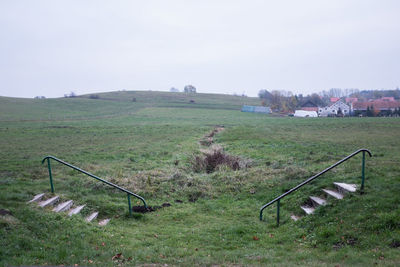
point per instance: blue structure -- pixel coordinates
(256, 109)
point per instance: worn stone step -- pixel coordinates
(49, 201)
(92, 216)
(333, 193)
(346, 188)
(63, 206)
(294, 217)
(308, 210)
(318, 201)
(104, 222)
(76, 210)
(36, 198)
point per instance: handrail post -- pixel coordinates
(362, 172)
(129, 204)
(51, 177)
(277, 212)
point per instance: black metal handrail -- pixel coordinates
(129, 194)
(317, 175)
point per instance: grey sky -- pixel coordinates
(53, 47)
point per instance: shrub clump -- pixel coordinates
(94, 96)
(214, 157)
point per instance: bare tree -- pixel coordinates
(335, 92)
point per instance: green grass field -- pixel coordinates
(149, 147)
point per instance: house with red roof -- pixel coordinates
(384, 106)
(334, 99)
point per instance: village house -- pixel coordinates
(339, 108)
(309, 106)
(383, 106)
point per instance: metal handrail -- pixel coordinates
(363, 150)
(129, 194)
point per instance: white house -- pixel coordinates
(339, 108)
(305, 113)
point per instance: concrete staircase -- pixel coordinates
(341, 189)
(65, 206)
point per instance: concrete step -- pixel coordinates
(318, 201)
(36, 198)
(63, 206)
(104, 222)
(76, 210)
(308, 210)
(49, 201)
(66, 206)
(333, 193)
(345, 188)
(295, 218)
(92, 216)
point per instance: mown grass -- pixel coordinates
(147, 147)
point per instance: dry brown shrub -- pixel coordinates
(214, 157)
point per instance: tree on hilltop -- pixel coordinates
(189, 89)
(264, 94)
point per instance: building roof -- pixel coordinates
(308, 104)
(376, 104)
(351, 99)
(338, 103)
(334, 99)
(388, 98)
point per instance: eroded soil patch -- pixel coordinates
(143, 209)
(214, 156)
(208, 139)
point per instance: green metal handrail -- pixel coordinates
(129, 194)
(317, 175)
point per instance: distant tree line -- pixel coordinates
(375, 94)
(361, 95)
(285, 101)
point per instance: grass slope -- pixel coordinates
(147, 146)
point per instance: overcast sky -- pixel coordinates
(53, 47)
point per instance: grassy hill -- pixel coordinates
(113, 104)
(168, 99)
(152, 147)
